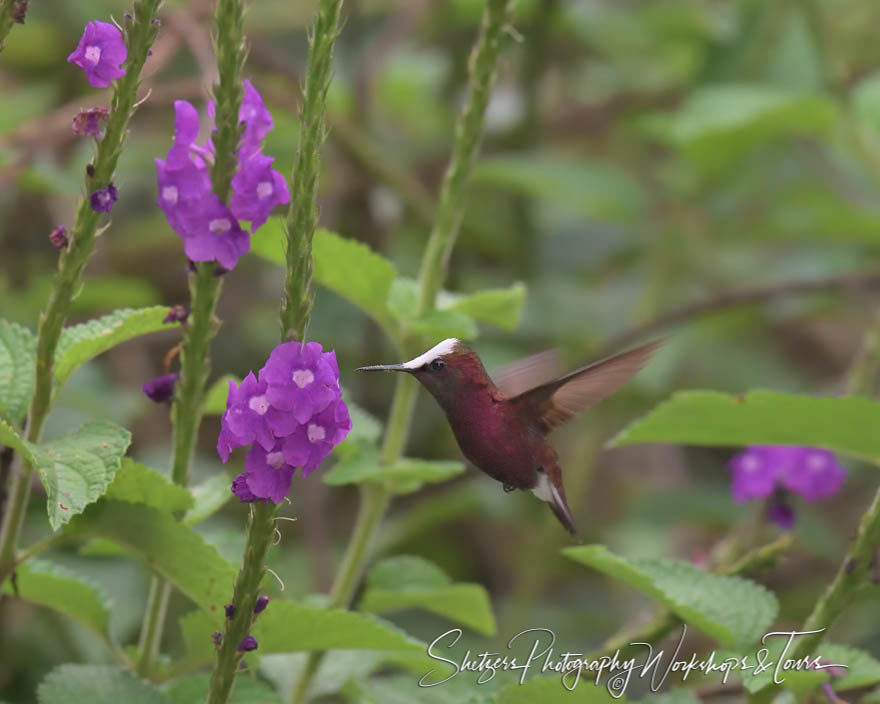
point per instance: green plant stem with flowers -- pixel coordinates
(6, 20)
(295, 311)
(140, 33)
(205, 286)
(374, 500)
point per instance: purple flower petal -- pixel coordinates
(161, 388)
(256, 189)
(58, 237)
(247, 644)
(100, 53)
(268, 475)
(817, 475)
(103, 199)
(88, 122)
(257, 118)
(312, 442)
(240, 489)
(781, 514)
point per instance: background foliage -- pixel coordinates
(639, 156)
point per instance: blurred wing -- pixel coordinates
(525, 374)
(562, 399)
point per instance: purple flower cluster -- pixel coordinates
(762, 471)
(292, 413)
(211, 230)
(100, 53)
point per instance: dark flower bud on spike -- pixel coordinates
(262, 602)
(247, 644)
(19, 11)
(217, 637)
(161, 388)
(230, 611)
(58, 237)
(176, 314)
(103, 199)
(90, 170)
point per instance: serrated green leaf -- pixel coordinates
(17, 355)
(77, 468)
(407, 581)
(196, 627)
(845, 425)
(550, 690)
(600, 191)
(290, 627)
(862, 670)
(57, 588)
(96, 684)
(440, 324)
(139, 484)
(246, 690)
(215, 398)
(502, 307)
(337, 668)
(405, 476)
(354, 271)
(80, 343)
(9, 436)
(717, 123)
(403, 689)
(733, 610)
(268, 241)
(209, 497)
(172, 549)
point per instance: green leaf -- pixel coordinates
(365, 427)
(209, 497)
(215, 398)
(502, 307)
(440, 324)
(550, 690)
(287, 627)
(269, 241)
(406, 582)
(197, 627)
(733, 610)
(17, 354)
(57, 588)
(862, 670)
(717, 123)
(847, 425)
(600, 191)
(246, 690)
(172, 549)
(96, 684)
(9, 436)
(137, 483)
(402, 689)
(405, 476)
(354, 271)
(77, 468)
(80, 343)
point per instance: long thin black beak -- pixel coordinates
(384, 368)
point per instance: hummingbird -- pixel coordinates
(502, 423)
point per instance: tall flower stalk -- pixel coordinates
(141, 31)
(374, 500)
(295, 311)
(205, 286)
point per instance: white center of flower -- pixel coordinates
(259, 405)
(219, 226)
(816, 462)
(169, 193)
(303, 377)
(316, 432)
(264, 189)
(275, 459)
(750, 463)
(93, 55)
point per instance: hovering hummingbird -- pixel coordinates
(502, 424)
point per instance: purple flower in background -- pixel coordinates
(161, 388)
(762, 471)
(301, 379)
(256, 189)
(296, 425)
(311, 442)
(268, 474)
(247, 644)
(250, 418)
(100, 53)
(103, 199)
(88, 122)
(58, 237)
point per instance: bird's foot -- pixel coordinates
(508, 488)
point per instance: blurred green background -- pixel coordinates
(639, 156)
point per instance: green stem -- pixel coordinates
(205, 286)
(247, 585)
(6, 21)
(302, 215)
(140, 35)
(468, 129)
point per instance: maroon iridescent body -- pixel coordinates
(502, 428)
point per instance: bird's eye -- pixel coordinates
(435, 365)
